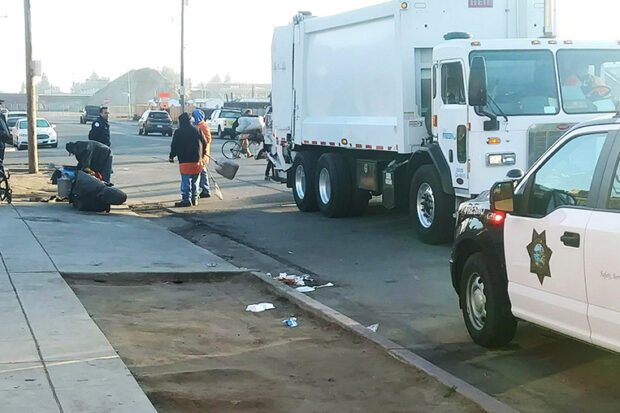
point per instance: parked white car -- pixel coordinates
(221, 121)
(46, 134)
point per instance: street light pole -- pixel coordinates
(33, 159)
(182, 88)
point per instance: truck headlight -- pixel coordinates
(501, 159)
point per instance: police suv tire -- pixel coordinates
(303, 192)
(337, 176)
(145, 132)
(139, 131)
(499, 326)
(441, 228)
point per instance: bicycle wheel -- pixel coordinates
(231, 149)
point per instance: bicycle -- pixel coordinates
(6, 194)
(232, 148)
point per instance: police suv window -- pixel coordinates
(565, 178)
(452, 85)
(614, 195)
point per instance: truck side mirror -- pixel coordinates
(515, 174)
(478, 82)
(502, 197)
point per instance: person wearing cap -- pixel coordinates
(93, 157)
(199, 121)
(5, 134)
(188, 146)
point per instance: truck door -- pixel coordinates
(450, 122)
(602, 265)
(544, 239)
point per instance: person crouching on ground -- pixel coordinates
(93, 158)
(188, 146)
(201, 125)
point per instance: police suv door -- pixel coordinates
(544, 238)
(451, 118)
(602, 258)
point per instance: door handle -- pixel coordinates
(570, 239)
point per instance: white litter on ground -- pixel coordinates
(260, 307)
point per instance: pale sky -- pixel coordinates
(73, 38)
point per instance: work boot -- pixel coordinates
(205, 194)
(182, 204)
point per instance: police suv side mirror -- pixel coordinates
(502, 197)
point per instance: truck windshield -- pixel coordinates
(520, 82)
(589, 80)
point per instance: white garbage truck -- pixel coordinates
(399, 100)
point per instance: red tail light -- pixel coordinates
(497, 218)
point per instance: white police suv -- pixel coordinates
(545, 247)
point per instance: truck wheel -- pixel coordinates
(431, 209)
(485, 304)
(333, 186)
(303, 170)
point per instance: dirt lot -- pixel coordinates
(193, 348)
(32, 187)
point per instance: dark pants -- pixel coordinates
(2, 147)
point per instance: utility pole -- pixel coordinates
(33, 158)
(182, 88)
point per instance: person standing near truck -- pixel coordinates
(188, 146)
(100, 129)
(201, 125)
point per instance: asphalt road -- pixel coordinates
(381, 272)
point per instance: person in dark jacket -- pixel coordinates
(5, 134)
(189, 147)
(93, 157)
(100, 129)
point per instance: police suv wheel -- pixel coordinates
(430, 208)
(303, 171)
(485, 304)
(333, 185)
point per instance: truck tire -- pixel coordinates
(431, 209)
(333, 186)
(303, 170)
(485, 304)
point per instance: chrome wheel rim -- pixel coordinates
(300, 182)
(425, 205)
(325, 186)
(476, 301)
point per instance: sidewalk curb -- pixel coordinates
(484, 400)
(152, 277)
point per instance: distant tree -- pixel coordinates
(216, 79)
(43, 85)
(170, 75)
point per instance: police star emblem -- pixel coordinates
(540, 255)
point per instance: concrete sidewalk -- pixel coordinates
(53, 357)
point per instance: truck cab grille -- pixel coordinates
(541, 136)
